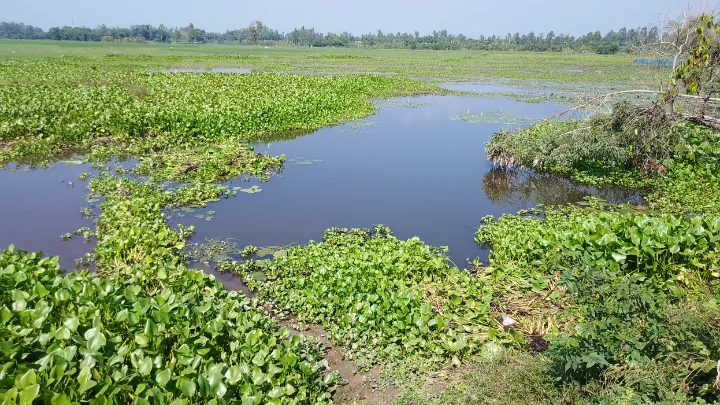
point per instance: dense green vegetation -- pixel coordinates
(127, 339)
(161, 115)
(584, 303)
(381, 297)
(643, 287)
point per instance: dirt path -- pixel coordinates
(361, 388)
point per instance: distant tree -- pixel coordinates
(253, 33)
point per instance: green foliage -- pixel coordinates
(659, 245)
(600, 150)
(643, 290)
(383, 298)
(698, 74)
(207, 163)
(559, 146)
(608, 49)
(691, 185)
(50, 106)
(133, 235)
(644, 334)
(123, 340)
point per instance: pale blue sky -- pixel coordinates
(469, 17)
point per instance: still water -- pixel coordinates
(417, 166)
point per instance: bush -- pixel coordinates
(608, 49)
(640, 333)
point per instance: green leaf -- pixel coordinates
(163, 377)
(19, 305)
(151, 329)
(5, 315)
(87, 385)
(60, 399)
(276, 392)
(619, 257)
(187, 387)
(62, 295)
(29, 394)
(28, 379)
(63, 333)
(258, 377)
(141, 339)
(72, 324)
(145, 366)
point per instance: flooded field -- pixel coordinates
(413, 166)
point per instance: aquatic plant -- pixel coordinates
(176, 110)
(117, 340)
(383, 298)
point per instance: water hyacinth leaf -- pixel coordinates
(277, 392)
(28, 394)
(28, 379)
(5, 314)
(63, 333)
(188, 387)
(142, 339)
(163, 377)
(251, 190)
(619, 257)
(72, 323)
(60, 399)
(145, 366)
(19, 305)
(151, 328)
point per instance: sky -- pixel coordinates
(470, 17)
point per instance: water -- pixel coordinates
(39, 206)
(412, 169)
(491, 88)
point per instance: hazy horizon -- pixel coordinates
(455, 16)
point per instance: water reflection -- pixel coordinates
(520, 188)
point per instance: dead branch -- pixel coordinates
(606, 97)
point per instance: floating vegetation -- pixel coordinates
(133, 354)
(358, 125)
(181, 119)
(405, 300)
(495, 117)
(398, 103)
(212, 250)
(249, 190)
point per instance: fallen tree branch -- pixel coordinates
(703, 120)
(639, 91)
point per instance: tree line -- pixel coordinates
(257, 33)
